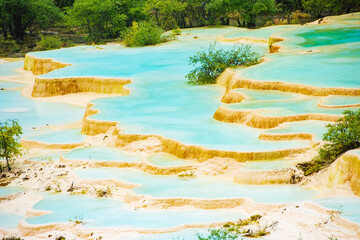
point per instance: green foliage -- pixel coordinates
(212, 62)
(10, 147)
(320, 7)
(340, 137)
(9, 45)
(49, 42)
(142, 34)
(17, 16)
(99, 18)
(218, 234)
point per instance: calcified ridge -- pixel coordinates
(252, 119)
(344, 169)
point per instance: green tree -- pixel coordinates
(250, 9)
(132, 9)
(10, 132)
(63, 3)
(340, 137)
(18, 16)
(99, 18)
(212, 62)
(315, 7)
(166, 13)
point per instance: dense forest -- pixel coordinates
(24, 22)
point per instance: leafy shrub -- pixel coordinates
(218, 234)
(8, 46)
(340, 137)
(142, 34)
(176, 31)
(214, 61)
(49, 42)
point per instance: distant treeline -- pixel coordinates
(109, 19)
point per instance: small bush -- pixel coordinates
(340, 137)
(218, 234)
(8, 46)
(176, 31)
(142, 34)
(48, 43)
(212, 62)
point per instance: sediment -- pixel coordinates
(233, 97)
(251, 119)
(346, 169)
(40, 66)
(61, 86)
(273, 48)
(242, 40)
(230, 80)
(285, 136)
(259, 177)
(144, 166)
(29, 144)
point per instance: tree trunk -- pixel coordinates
(8, 164)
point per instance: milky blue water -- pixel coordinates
(36, 114)
(161, 102)
(9, 68)
(10, 85)
(341, 100)
(112, 213)
(317, 128)
(349, 206)
(58, 136)
(102, 154)
(10, 190)
(9, 220)
(198, 187)
(287, 107)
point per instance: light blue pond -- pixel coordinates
(102, 154)
(36, 114)
(7, 85)
(262, 33)
(9, 68)
(341, 100)
(287, 107)
(59, 136)
(339, 67)
(9, 220)
(112, 213)
(168, 160)
(198, 187)
(349, 206)
(10, 190)
(318, 128)
(253, 95)
(329, 36)
(161, 102)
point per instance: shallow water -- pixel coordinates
(317, 128)
(198, 187)
(102, 154)
(269, 165)
(9, 220)
(9, 68)
(349, 206)
(161, 102)
(32, 114)
(58, 136)
(111, 213)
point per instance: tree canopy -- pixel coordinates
(18, 16)
(210, 63)
(99, 18)
(10, 132)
